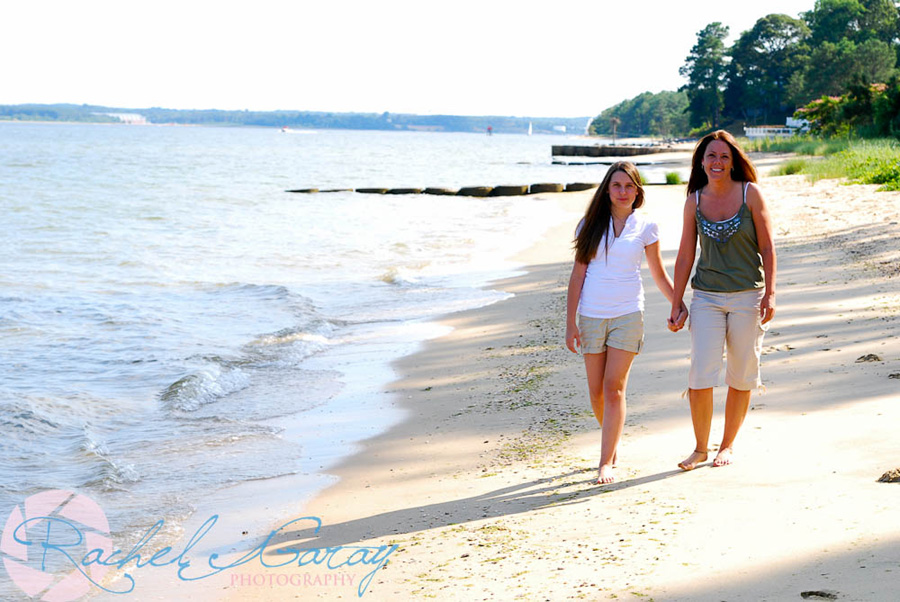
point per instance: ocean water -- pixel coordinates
(173, 323)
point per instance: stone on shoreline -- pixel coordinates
(404, 191)
(509, 190)
(479, 191)
(579, 186)
(539, 188)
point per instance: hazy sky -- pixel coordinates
(488, 57)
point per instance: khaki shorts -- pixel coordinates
(625, 333)
(729, 322)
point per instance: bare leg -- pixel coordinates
(618, 366)
(701, 417)
(736, 405)
(595, 365)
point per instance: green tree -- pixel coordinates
(763, 61)
(647, 114)
(823, 115)
(834, 20)
(886, 110)
(705, 69)
(833, 66)
(868, 110)
(880, 20)
(854, 20)
(857, 108)
(668, 118)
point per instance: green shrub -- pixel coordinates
(673, 177)
(790, 168)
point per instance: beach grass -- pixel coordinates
(874, 161)
(789, 168)
(863, 162)
(673, 177)
(802, 145)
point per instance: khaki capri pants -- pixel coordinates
(728, 321)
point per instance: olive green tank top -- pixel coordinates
(729, 253)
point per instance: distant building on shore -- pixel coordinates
(129, 118)
(791, 126)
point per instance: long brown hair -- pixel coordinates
(742, 169)
(596, 218)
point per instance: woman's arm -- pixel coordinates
(576, 282)
(684, 262)
(661, 278)
(765, 238)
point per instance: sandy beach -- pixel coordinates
(487, 488)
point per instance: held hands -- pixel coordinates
(573, 338)
(677, 318)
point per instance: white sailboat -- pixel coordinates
(529, 128)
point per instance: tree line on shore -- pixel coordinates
(836, 66)
(298, 119)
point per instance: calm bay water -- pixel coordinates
(173, 323)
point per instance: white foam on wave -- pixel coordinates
(204, 387)
(399, 275)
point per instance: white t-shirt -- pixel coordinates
(612, 285)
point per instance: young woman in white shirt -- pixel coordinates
(607, 296)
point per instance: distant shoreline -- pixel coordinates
(298, 119)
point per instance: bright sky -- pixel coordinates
(490, 57)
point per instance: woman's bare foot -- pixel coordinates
(723, 458)
(606, 475)
(691, 462)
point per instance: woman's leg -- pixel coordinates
(708, 332)
(736, 405)
(595, 365)
(618, 366)
(744, 347)
(701, 416)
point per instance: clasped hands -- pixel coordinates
(678, 317)
(675, 322)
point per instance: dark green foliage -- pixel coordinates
(832, 66)
(705, 70)
(764, 60)
(833, 20)
(782, 63)
(848, 38)
(854, 20)
(866, 110)
(662, 115)
(886, 110)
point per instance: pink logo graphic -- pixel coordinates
(43, 548)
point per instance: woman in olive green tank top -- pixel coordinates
(733, 286)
